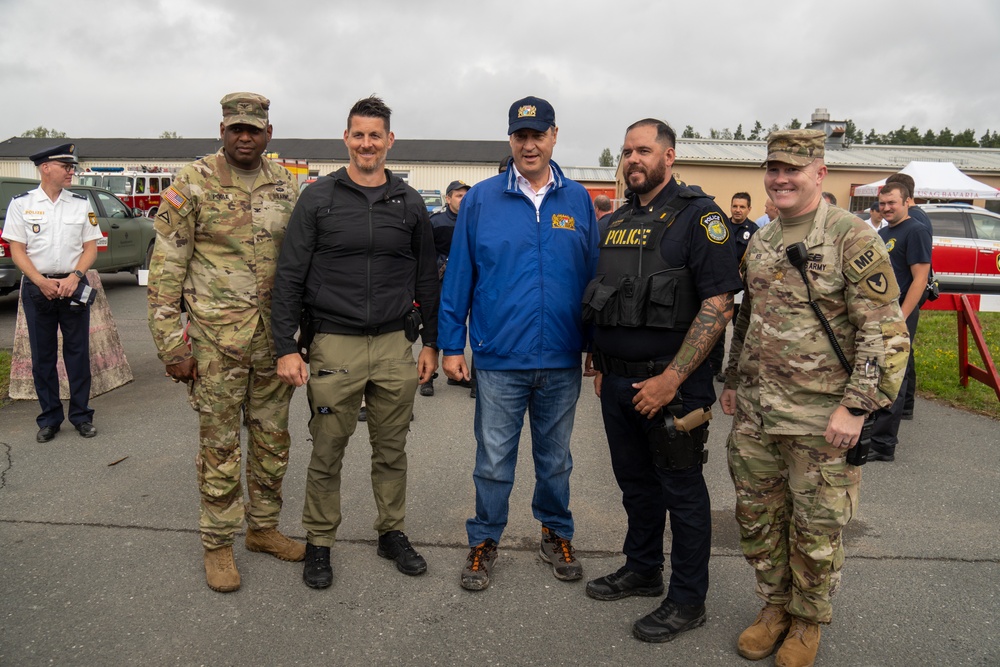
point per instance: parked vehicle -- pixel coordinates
(128, 235)
(966, 248)
(138, 189)
(432, 200)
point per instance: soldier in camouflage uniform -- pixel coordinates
(797, 412)
(218, 234)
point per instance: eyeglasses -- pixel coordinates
(63, 166)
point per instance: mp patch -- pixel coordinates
(92, 217)
(715, 228)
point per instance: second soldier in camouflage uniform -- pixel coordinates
(219, 231)
(797, 411)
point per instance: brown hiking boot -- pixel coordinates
(759, 640)
(559, 553)
(220, 570)
(478, 566)
(270, 541)
(800, 646)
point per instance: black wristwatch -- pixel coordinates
(78, 274)
(858, 412)
(433, 346)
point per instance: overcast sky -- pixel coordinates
(450, 70)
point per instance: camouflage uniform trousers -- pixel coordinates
(227, 389)
(343, 369)
(794, 495)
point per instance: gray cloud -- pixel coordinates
(450, 70)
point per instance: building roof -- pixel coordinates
(858, 156)
(404, 150)
(590, 174)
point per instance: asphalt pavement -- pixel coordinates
(101, 564)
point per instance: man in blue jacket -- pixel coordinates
(524, 249)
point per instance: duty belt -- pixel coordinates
(629, 369)
(323, 326)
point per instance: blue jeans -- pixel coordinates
(549, 396)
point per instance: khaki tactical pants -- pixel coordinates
(342, 370)
(227, 389)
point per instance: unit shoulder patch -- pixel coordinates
(870, 258)
(716, 228)
(92, 217)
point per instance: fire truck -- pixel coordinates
(138, 189)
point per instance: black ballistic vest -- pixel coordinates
(634, 286)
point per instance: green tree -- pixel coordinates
(989, 140)
(795, 124)
(689, 133)
(42, 132)
(852, 134)
(724, 133)
(946, 137)
(872, 138)
(169, 134)
(738, 134)
(966, 139)
(930, 139)
(755, 133)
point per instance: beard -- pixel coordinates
(654, 178)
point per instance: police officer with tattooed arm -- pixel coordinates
(800, 401)
(663, 295)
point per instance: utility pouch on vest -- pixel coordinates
(632, 294)
(596, 300)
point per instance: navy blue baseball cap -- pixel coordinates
(61, 153)
(532, 113)
(457, 185)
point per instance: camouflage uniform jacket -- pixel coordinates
(788, 376)
(217, 247)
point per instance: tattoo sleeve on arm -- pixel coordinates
(708, 325)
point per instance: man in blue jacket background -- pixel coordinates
(524, 249)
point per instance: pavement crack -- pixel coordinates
(596, 553)
(6, 463)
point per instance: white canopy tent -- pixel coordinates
(936, 180)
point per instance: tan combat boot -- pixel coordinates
(759, 640)
(220, 570)
(801, 645)
(270, 541)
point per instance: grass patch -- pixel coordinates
(936, 357)
(4, 377)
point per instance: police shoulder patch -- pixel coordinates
(890, 244)
(92, 217)
(716, 228)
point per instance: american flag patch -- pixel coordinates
(175, 198)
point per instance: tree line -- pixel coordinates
(903, 136)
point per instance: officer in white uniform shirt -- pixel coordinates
(53, 237)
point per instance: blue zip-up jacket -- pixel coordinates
(518, 275)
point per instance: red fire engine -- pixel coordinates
(138, 189)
